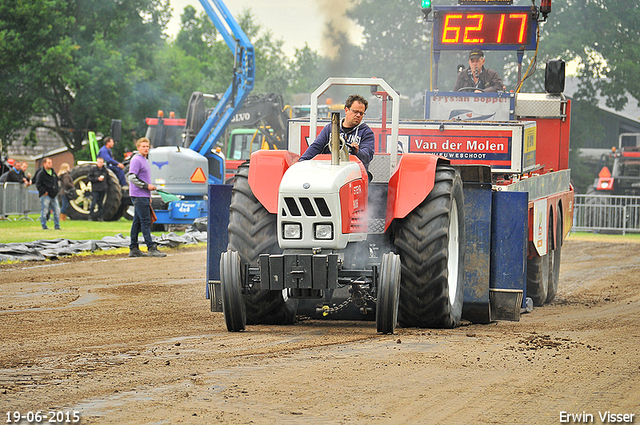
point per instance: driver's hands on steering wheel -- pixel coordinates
(474, 89)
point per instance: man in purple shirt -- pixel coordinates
(140, 193)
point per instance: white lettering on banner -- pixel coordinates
(461, 155)
(423, 144)
(457, 146)
(453, 146)
(484, 146)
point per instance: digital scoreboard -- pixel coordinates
(486, 27)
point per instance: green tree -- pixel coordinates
(308, 70)
(32, 36)
(396, 47)
(81, 60)
(604, 37)
(205, 53)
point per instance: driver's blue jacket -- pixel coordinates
(360, 135)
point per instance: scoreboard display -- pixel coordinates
(486, 27)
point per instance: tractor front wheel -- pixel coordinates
(253, 231)
(235, 315)
(388, 293)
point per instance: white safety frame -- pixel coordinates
(392, 145)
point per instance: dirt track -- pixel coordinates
(88, 336)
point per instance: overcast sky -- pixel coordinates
(296, 22)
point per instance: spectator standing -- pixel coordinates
(99, 178)
(115, 166)
(66, 184)
(140, 192)
(26, 176)
(47, 185)
(13, 175)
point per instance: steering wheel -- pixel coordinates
(470, 89)
(340, 147)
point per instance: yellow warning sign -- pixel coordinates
(198, 176)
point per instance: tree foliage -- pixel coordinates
(33, 38)
(396, 46)
(604, 37)
(79, 60)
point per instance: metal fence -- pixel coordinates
(16, 199)
(608, 213)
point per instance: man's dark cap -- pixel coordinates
(476, 54)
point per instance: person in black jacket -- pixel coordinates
(13, 175)
(47, 185)
(99, 178)
(478, 77)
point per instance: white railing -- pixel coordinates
(607, 213)
(16, 199)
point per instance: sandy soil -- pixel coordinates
(123, 340)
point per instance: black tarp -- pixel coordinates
(52, 248)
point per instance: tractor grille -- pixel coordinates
(307, 207)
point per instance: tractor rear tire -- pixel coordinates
(430, 241)
(253, 231)
(235, 315)
(388, 293)
(125, 210)
(79, 207)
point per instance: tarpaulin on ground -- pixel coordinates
(52, 248)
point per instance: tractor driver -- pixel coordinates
(356, 134)
(477, 76)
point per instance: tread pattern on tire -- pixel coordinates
(253, 231)
(421, 238)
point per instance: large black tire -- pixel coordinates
(388, 293)
(430, 241)
(125, 210)
(538, 279)
(79, 207)
(235, 315)
(554, 263)
(253, 231)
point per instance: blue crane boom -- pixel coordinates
(244, 72)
